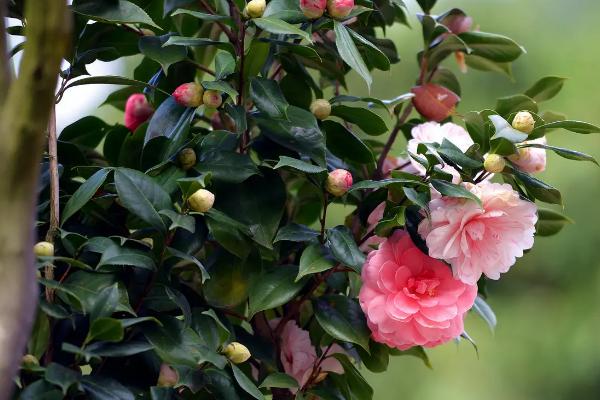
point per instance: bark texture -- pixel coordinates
(24, 111)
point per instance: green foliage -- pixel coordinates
(142, 279)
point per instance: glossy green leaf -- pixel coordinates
(153, 48)
(279, 380)
(111, 80)
(343, 319)
(268, 97)
(246, 383)
(227, 166)
(84, 193)
(182, 221)
(546, 88)
(117, 11)
(221, 86)
(105, 329)
(61, 376)
(540, 190)
(349, 53)
(519, 102)
(274, 288)
(570, 125)
(313, 260)
(365, 119)
(199, 42)
(280, 27)
(565, 153)
(299, 165)
(344, 248)
(453, 190)
(295, 233)
(201, 15)
(106, 302)
(495, 47)
(346, 145)
(550, 222)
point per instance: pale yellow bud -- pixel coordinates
(30, 361)
(523, 122)
(212, 98)
(494, 163)
(320, 108)
(255, 8)
(236, 352)
(187, 158)
(202, 200)
(43, 249)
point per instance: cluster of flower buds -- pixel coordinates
(339, 9)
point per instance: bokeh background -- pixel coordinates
(546, 345)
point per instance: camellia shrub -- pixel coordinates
(189, 252)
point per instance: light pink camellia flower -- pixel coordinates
(432, 132)
(479, 240)
(340, 8)
(338, 182)
(411, 299)
(298, 355)
(313, 9)
(137, 111)
(531, 159)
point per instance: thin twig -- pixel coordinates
(54, 195)
(202, 68)
(324, 217)
(390, 142)
(225, 29)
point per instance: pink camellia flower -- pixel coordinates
(298, 355)
(339, 181)
(434, 102)
(478, 239)
(411, 299)
(340, 8)
(137, 111)
(432, 132)
(531, 159)
(313, 9)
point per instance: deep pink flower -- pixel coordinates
(340, 8)
(298, 355)
(313, 9)
(531, 159)
(432, 132)
(479, 240)
(411, 299)
(137, 111)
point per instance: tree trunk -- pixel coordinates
(25, 107)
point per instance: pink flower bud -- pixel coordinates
(212, 98)
(338, 182)
(137, 111)
(168, 377)
(434, 102)
(189, 94)
(458, 23)
(313, 9)
(339, 8)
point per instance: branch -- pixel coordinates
(54, 195)
(23, 120)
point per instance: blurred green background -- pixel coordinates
(546, 345)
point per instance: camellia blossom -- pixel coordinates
(313, 9)
(476, 239)
(137, 111)
(531, 159)
(411, 299)
(298, 355)
(432, 132)
(339, 8)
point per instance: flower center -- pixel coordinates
(423, 285)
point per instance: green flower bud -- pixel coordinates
(43, 249)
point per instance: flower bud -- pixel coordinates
(43, 249)
(434, 102)
(523, 122)
(137, 111)
(187, 158)
(212, 98)
(320, 108)
(236, 352)
(202, 200)
(189, 94)
(458, 23)
(338, 182)
(30, 361)
(313, 9)
(255, 8)
(494, 163)
(167, 377)
(339, 8)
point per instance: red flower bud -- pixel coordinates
(339, 8)
(434, 102)
(137, 111)
(338, 182)
(189, 94)
(313, 9)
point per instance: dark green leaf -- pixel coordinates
(570, 125)
(365, 119)
(344, 248)
(279, 380)
(550, 222)
(199, 42)
(350, 53)
(182, 221)
(540, 190)
(201, 15)
(61, 376)
(246, 383)
(115, 11)
(102, 388)
(224, 64)
(295, 233)
(495, 47)
(111, 80)
(106, 302)
(346, 145)
(299, 165)
(221, 86)
(546, 88)
(519, 102)
(105, 329)
(228, 166)
(84, 193)
(565, 153)
(343, 319)
(313, 260)
(280, 27)
(153, 48)
(268, 97)
(274, 288)
(453, 190)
